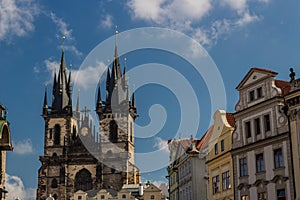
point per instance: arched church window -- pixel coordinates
(83, 180)
(113, 131)
(54, 183)
(56, 134)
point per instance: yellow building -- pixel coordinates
(292, 100)
(219, 162)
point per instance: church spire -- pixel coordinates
(133, 100)
(99, 102)
(45, 106)
(62, 89)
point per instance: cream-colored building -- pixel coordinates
(292, 100)
(260, 143)
(5, 145)
(147, 191)
(187, 170)
(219, 162)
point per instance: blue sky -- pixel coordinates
(237, 34)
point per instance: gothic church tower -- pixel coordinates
(67, 165)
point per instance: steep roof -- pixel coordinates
(230, 119)
(284, 86)
(205, 139)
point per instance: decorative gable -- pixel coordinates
(255, 75)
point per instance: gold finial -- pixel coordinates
(63, 37)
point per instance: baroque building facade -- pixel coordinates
(261, 149)
(219, 160)
(187, 171)
(75, 158)
(292, 100)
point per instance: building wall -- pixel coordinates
(222, 161)
(269, 102)
(293, 102)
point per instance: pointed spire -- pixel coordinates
(99, 101)
(78, 102)
(45, 106)
(107, 79)
(124, 70)
(116, 62)
(133, 100)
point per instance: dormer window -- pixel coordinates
(251, 95)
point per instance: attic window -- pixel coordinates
(251, 95)
(259, 92)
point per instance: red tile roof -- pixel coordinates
(264, 70)
(230, 119)
(284, 86)
(205, 139)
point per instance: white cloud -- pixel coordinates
(73, 49)
(161, 144)
(107, 22)
(17, 17)
(23, 147)
(89, 76)
(165, 11)
(187, 15)
(238, 5)
(246, 19)
(15, 187)
(62, 26)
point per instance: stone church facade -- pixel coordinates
(75, 158)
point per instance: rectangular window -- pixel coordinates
(257, 126)
(262, 196)
(226, 180)
(281, 194)
(259, 92)
(222, 145)
(245, 197)
(260, 164)
(216, 184)
(267, 123)
(243, 167)
(251, 95)
(216, 149)
(79, 197)
(248, 129)
(278, 158)
(102, 197)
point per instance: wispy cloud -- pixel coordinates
(89, 76)
(17, 17)
(62, 26)
(187, 15)
(23, 147)
(64, 30)
(15, 187)
(107, 21)
(161, 144)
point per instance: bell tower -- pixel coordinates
(117, 114)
